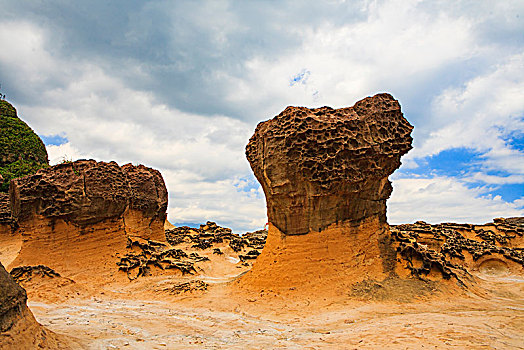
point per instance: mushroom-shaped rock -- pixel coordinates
(324, 172)
(322, 166)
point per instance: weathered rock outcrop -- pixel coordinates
(12, 300)
(74, 216)
(325, 175)
(148, 202)
(87, 192)
(18, 327)
(322, 166)
(460, 249)
(22, 152)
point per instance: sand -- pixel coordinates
(218, 320)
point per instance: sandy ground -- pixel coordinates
(220, 319)
(100, 313)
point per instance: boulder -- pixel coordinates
(323, 166)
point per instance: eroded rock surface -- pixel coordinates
(456, 250)
(12, 301)
(18, 327)
(74, 216)
(6, 221)
(325, 172)
(322, 166)
(86, 192)
(210, 233)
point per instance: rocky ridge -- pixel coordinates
(143, 255)
(456, 249)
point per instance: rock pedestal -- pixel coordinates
(324, 172)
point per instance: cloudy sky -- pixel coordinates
(181, 85)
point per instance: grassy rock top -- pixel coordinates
(22, 152)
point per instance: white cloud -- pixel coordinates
(387, 52)
(479, 115)
(201, 158)
(445, 199)
(64, 152)
(130, 100)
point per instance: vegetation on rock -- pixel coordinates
(22, 152)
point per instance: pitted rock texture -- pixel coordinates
(147, 202)
(323, 166)
(5, 210)
(86, 192)
(74, 217)
(454, 249)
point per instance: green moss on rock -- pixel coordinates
(22, 152)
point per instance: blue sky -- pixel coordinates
(181, 85)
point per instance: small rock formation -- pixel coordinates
(322, 166)
(455, 250)
(18, 327)
(210, 233)
(324, 172)
(74, 216)
(22, 152)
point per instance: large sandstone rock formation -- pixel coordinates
(322, 166)
(325, 175)
(22, 152)
(74, 216)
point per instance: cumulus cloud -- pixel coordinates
(445, 199)
(180, 87)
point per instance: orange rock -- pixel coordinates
(325, 175)
(74, 217)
